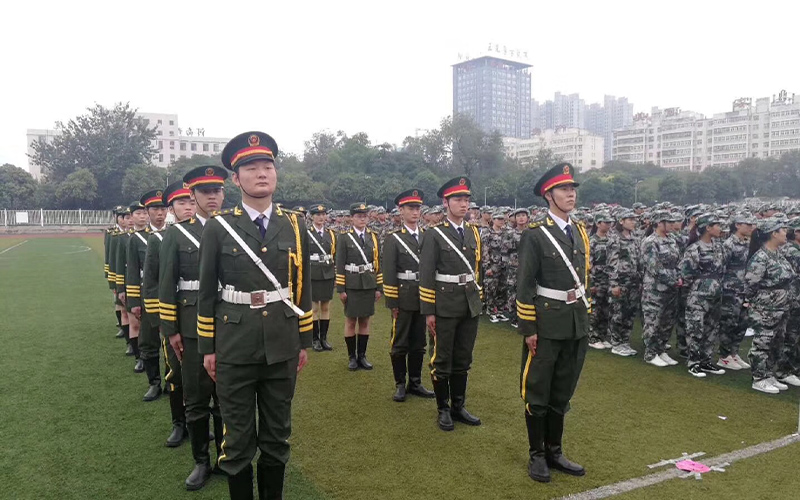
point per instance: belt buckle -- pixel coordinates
(462, 279)
(362, 268)
(572, 297)
(416, 276)
(258, 299)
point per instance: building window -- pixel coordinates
(205, 146)
(171, 133)
(171, 144)
(183, 146)
(194, 146)
(171, 157)
(159, 122)
(160, 144)
(172, 122)
(216, 147)
(160, 158)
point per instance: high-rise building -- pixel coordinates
(578, 147)
(495, 93)
(171, 142)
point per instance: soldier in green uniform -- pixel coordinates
(359, 283)
(451, 296)
(109, 240)
(134, 270)
(322, 243)
(149, 339)
(178, 297)
(255, 332)
(400, 266)
(553, 310)
(107, 235)
(116, 274)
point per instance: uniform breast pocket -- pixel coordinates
(234, 258)
(187, 256)
(448, 254)
(284, 249)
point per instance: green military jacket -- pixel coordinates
(111, 257)
(134, 267)
(150, 279)
(121, 259)
(450, 300)
(106, 244)
(179, 259)
(541, 264)
(347, 253)
(322, 269)
(403, 294)
(239, 333)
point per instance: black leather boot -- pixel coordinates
(362, 352)
(555, 459)
(240, 485)
(415, 386)
(537, 466)
(442, 389)
(270, 481)
(351, 352)
(126, 334)
(323, 334)
(218, 437)
(399, 370)
(198, 434)
(153, 379)
(458, 395)
(315, 343)
(179, 433)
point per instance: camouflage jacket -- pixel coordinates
(767, 281)
(510, 245)
(624, 261)
(791, 251)
(491, 247)
(702, 268)
(660, 259)
(734, 251)
(598, 258)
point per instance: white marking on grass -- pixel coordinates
(12, 248)
(81, 249)
(610, 490)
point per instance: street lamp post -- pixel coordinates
(484, 195)
(636, 191)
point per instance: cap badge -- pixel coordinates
(362, 207)
(253, 140)
(462, 181)
(159, 194)
(320, 208)
(415, 193)
(566, 169)
(209, 172)
(185, 185)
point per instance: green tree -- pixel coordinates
(17, 188)
(297, 188)
(78, 190)
(106, 141)
(671, 188)
(595, 190)
(178, 168)
(140, 179)
(45, 196)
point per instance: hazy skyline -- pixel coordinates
(296, 68)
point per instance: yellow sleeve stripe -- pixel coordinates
(150, 310)
(339, 275)
(525, 307)
(165, 305)
(526, 317)
(205, 334)
(391, 286)
(305, 322)
(304, 329)
(390, 296)
(167, 317)
(428, 300)
(427, 289)
(168, 312)
(205, 319)
(426, 292)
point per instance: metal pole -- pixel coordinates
(41, 214)
(80, 217)
(484, 195)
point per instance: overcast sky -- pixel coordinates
(293, 68)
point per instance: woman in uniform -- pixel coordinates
(624, 282)
(601, 310)
(322, 250)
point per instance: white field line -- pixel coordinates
(610, 490)
(12, 248)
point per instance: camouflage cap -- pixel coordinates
(743, 218)
(794, 223)
(661, 216)
(773, 223)
(521, 210)
(639, 206)
(626, 214)
(498, 214)
(676, 216)
(603, 216)
(707, 219)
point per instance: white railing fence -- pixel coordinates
(56, 217)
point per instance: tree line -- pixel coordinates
(103, 158)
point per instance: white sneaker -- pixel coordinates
(666, 359)
(729, 363)
(607, 344)
(741, 362)
(791, 380)
(777, 385)
(623, 350)
(765, 386)
(749, 333)
(493, 318)
(657, 361)
(597, 345)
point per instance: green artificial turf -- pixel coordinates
(74, 426)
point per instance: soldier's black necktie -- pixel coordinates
(362, 239)
(461, 232)
(415, 237)
(568, 229)
(260, 223)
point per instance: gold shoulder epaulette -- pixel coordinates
(228, 211)
(535, 224)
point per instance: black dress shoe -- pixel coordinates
(461, 414)
(317, 346)
(139, 366)
(153, 393)
(120, 334)
(197, 479)
(325, 345)
(353, 364)
(400, 393)
(129, 350)
(178, 435)
(444, 420)
(538, 469)
(363, 363)
(559, 462)
(416, 388)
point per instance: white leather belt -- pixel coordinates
(459, 279)
(353, 268)
(315, 257)
(408, 275)
(568, 296)
(256, 299)
(192, 285)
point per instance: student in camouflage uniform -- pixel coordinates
(768, 282)
(788, 367)
(601, 309)
(681, 235)
(732, 314)
(520, 218)
(702, 269)
(624, 282)
(492, 249)
(660, 260)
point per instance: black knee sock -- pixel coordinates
(323, 327)
(351, 346)
(135, 346)
(126, 332)
(362, 344)
(315, 334)
(119, 318)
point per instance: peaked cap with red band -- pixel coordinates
(207, 176)
(247, 147)
(412, 196)
(154, 198)
(175, 191)
(560, 175)
(458, 186)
